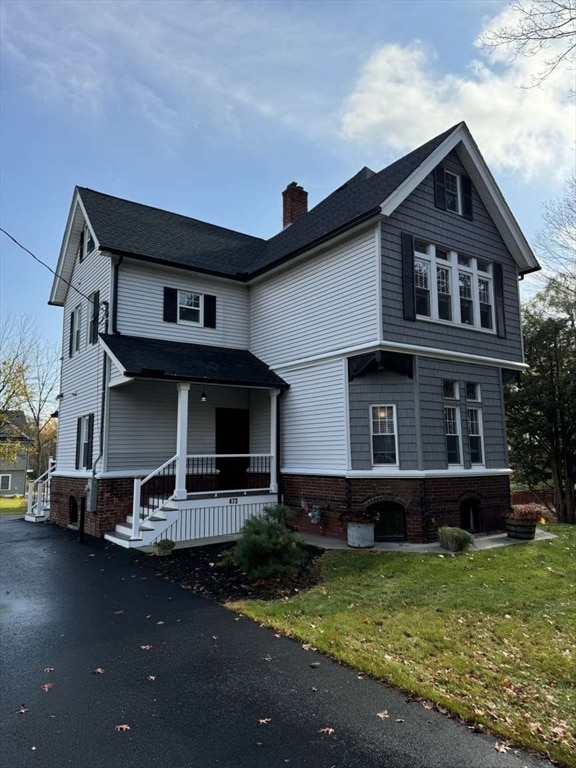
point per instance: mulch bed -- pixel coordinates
(201, 570)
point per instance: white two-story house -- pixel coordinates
(353, 362)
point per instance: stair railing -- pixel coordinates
(39, 491)
(161, 490)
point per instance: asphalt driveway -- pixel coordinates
(208, 688)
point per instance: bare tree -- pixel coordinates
(541, 25)
(42, 381)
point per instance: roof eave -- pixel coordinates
(238, 276)
(157, 376)
(485, 185)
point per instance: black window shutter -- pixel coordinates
(94, 320)
(170, 305)
(439, 187)
(499, 300)
(466, 197)
(71, 339)
(408, 289)
(209, 311)
(81, 247)
(89, 440)
(78, 436)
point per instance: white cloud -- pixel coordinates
(401, 99)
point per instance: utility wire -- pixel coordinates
(45, 265)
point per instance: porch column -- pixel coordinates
(273, 439)
(181, 440)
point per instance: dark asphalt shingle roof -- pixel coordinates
(144, 232)
(160, 359)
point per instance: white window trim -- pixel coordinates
(77, 324)
(457, 421)
(455, 268)
(200, 308)
(456, 396)
(478, 398)
(395, 420)
(480, 434)
(83, 441)
(458, 178)
(9, 482)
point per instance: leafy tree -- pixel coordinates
(539, 26)
(541, 407)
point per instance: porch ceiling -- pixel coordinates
(144, 358)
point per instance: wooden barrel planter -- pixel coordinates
(521, 529)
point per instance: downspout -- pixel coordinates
(279, 478)
(117, 262)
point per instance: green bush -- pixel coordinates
(455, 539)
(267, 547)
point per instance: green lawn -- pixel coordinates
(12, 506)
(490, 635)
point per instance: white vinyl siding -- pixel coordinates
(81, 374)
(324, 303)
(313, 418)
(141, 306)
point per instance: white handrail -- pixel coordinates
(36, 487)
(137, 496)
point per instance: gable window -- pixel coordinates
(84, 439)
(452, 191)
(86, 244)
(75, 336)
(452, 287)
(5, 481)
(384, 434)
(189, 307)
(452, 428)
(94, 317)
(474, 418)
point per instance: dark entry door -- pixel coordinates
(232, 436)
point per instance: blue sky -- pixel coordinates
(211, 108)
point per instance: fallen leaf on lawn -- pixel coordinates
(329, 731)
(265, 720)
(383, 715)
(98, 671)
(145, 647)
(49, 669)
(46, 687)
(501, 747)
(151, 677)
(399, 720)
(22, 709)
(314, 665)
(122, 727)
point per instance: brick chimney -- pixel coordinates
(294, 203)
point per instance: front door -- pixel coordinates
(232, 436)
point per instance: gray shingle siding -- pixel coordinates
(382, 389)
(418, 216)
(432, 373)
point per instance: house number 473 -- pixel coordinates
(232, 501)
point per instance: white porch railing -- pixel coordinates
(39, 494)
(207, 475)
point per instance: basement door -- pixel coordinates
(232, 436)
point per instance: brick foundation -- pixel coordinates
(429, 503)
(114, 503)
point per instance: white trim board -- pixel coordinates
(397, 474)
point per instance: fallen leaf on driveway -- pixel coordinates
(501, 747)
(265, 720)
(22, 709)
(49, 669)
(46, 687)
(314, 665)
(383, 715)
(151, 677)
(328, 731)
(399, 720)
(122, 727)
(145, 647)
(308, 647)
(267, 657)
(159, 622)
(117, 613)
(98, 671)
(313, 688)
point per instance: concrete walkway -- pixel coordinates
(480, 542)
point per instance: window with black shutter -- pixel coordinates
(452, 192)
(189, 307)
(94, 317)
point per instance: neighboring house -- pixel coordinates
(12, 434)
(354, 361)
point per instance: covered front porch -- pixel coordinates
(221, 424)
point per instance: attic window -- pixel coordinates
(452, 192)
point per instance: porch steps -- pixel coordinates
(37, 516)
(151, 527)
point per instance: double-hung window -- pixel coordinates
(453, 287)
(452, 428)
(452, 192)
(474, 417)
(75, 337)
(384, 435)
(84, 439)
(189, 307)
(5, 482)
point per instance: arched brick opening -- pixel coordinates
(469, 506)
(72, 510)
(390, 522)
